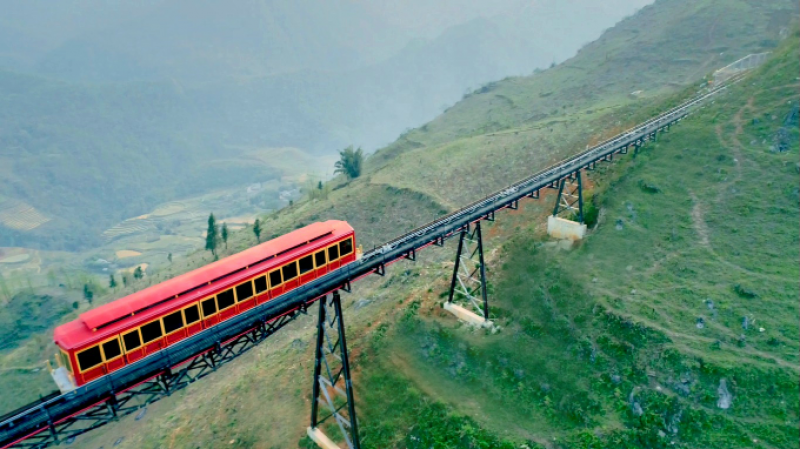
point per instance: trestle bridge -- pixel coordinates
(60, 418)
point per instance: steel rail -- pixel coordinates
(41, 416)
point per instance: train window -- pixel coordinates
(333, 253)
(275, 278)
(261, 284)
(90, 358)
(319, 258)
(289, 271)
(244, 291)
(226, 299)
(111, 349)
(173, 322)
(209, 307)
(346, 247)
(132, 340)
(191, 314)
(151, 331)
(306, 264)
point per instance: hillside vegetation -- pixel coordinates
(635, 338)
(589, 337)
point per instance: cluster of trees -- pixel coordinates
(350, 162)
(216, 235)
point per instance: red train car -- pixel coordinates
(126, 330)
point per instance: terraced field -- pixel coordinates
(20, 216)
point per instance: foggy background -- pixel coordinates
(108, 108)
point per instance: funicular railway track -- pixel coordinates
(59, 418)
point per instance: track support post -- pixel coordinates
(567, 219)
(567, 200)
(333, 388)
(469, 279)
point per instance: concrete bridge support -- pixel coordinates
(567, 219)
(468, 284)
(333, 387)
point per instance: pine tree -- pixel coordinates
(124, 280)
(169, 257)
(257, 229)
(319, 185)
(225, 234)
(138, 273)
(212, 235)
(88, 294)
(112, 283)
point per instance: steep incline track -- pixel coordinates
(46, 422)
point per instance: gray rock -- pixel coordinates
(519, 374)
(745, 323)
(298, 344)
(141, 414)
(725, 398)
(682, 389)
(362, 303)
(636, 409)
(701, 323)
(616, 378)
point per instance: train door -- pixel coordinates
(209, 308)
(290, 277)
(245, 299)
(191, 316)
(262, 289)
(333, 257)
(152, 336)
(306, 267)
(132, 341)
(320, 263)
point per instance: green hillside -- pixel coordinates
(626, 340)
(587, 334)
(600, 346)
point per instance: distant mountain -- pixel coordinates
(197, 41)
(107, 109)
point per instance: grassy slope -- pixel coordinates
(589, 332)
(379, 212)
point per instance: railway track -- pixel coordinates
(62, 417)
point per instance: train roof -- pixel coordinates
(70, 334)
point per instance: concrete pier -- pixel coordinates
(321, 439)
(467, 315)
(565, 229)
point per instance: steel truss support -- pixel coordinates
(333, 386)
(570, 194)
(469, 272)
(169, 381)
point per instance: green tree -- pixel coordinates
(88, 294)
(257, 229)
(319, 186)
(112, 283)
(75, 305)
(350, 162)
(124, 280)
(138, 273)
(212, 235)
(169, 257)
(225, 234)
